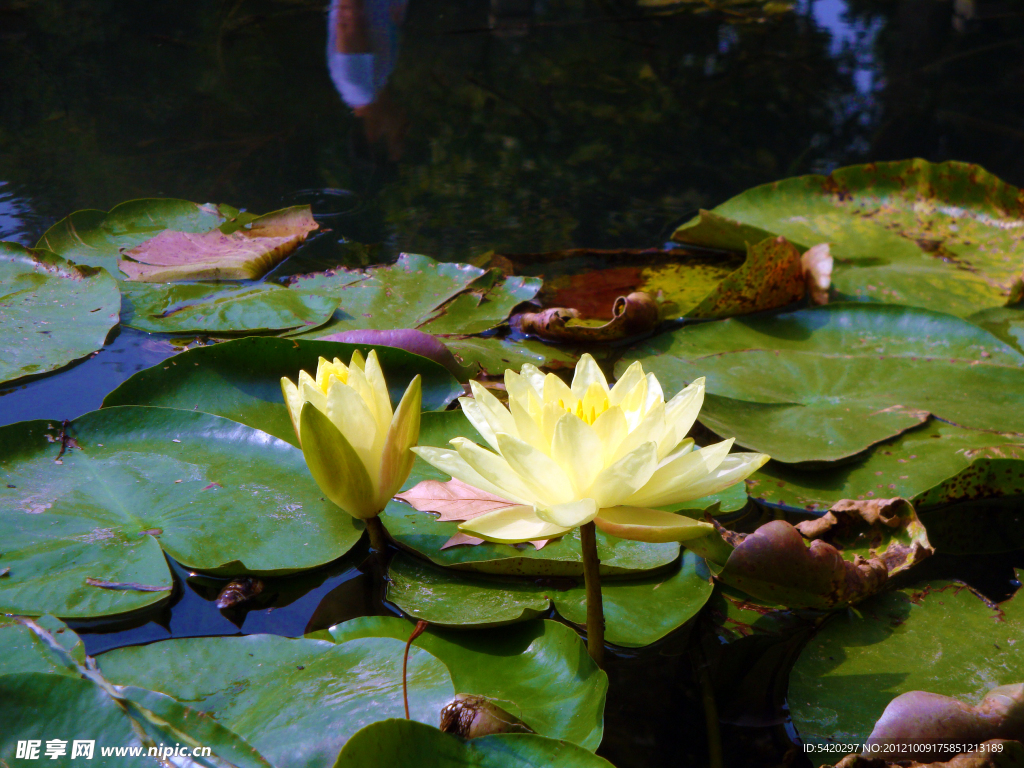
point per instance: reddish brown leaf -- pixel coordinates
(465, 538)
(454, 501)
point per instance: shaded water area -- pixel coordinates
(506, 126)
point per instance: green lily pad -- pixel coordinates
(943, 236)
(72, 701)
(86, 535)
(933, 465)
(405, 744)
(638, 611)
(296, 701)
(939, 637)
(1005, 323)
(825, 384)
(420, 532)
(96, 237)
(493, 355)
(241, 379)
(221, 308)
(51, 312)
(416, 292)
(538, 671)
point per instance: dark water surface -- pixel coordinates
(509, 125)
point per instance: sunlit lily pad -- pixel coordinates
(241, 379)
(86, 535)
(405, 744)
(493, 355)
(416, 292)
(638, 611)
(539, 671)
(73, 702)
(940, 236)
(932, 465)
(221, 309)
(296, 701)
(939, 637)
(51, 311)
(824, 384)
(420, 532)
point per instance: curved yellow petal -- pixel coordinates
(496, 471)
(293, 400)
(619, 481)
(403, 433)
(528, 428)
(522, 392)
(448, 460)
(633, 403)
(471, 410)
(670, 484)
(570, 515)
(497, 415)
(557, 391)
(610, 428)
(577, 450)
(535, 378)
(512, 525)
(629, 379)
(653, 525)
(588, 372)
(734, 468)
(546, 480)
(335, 465)
(651, 428)
(381, 397)
(654, 391)
(680, 414)
(353, 418)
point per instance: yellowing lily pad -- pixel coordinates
(245, 254)
(942, 236)
(51, 311)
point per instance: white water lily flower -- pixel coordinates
(357, 450)
(571, 455)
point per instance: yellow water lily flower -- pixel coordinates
(571, 455)
(357, 450)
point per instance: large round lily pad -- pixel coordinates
(941, 236)
(51, 311)
(241, 379)
(85, 535)
(638, 611)
(405, 744)
(221, 308)
(939, 637)
(538, 671)
(422, 533)
(824, 384)
(931, 465)
(296, 701)
(416, 292)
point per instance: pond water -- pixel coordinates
(503, 125)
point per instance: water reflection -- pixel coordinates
(362, 48)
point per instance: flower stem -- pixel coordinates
(595, 604)
(378, 537)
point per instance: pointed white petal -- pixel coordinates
(535, 470)
(497, 415)
(293, 400)
(381, 398)
(654, 393)
(471, 408)
(650, 429)
(571, 514)
(557, 391)
(535, 378)
(629, 379)
(512, 525)
(680, 414)
(448, 460)
(588, 372)
(639, 524)
(618, 482)
(610, 428)
(734, 468)
(497, 471)
(528, 429)
(670, 484)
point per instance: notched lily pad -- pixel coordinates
(826, 383)
(51, 311)
(247, 253)
(853, 551)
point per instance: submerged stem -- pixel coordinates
(595, 603)
(378, 537)
(707, 694)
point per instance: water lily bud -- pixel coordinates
(356, 448)
(470, 716)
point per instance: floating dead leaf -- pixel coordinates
(632, 315)
(817, 265)
(456, 501)
(245, 254)
(856, 547)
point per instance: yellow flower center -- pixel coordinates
(590, 406)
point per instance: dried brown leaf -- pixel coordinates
(454, 501)
(632, 315)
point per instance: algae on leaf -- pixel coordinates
(51, 311)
